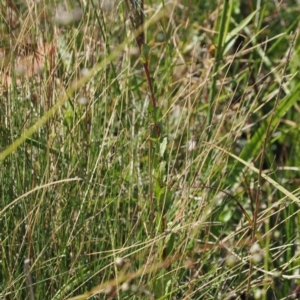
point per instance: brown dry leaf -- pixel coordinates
(34, 63)
(25, 66)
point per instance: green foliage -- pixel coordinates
(149, 162)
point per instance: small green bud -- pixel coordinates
(160, 37)
(145, 51)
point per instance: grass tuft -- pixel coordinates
(149, 150)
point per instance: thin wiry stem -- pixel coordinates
(135, 10)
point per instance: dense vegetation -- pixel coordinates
(149, 162)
